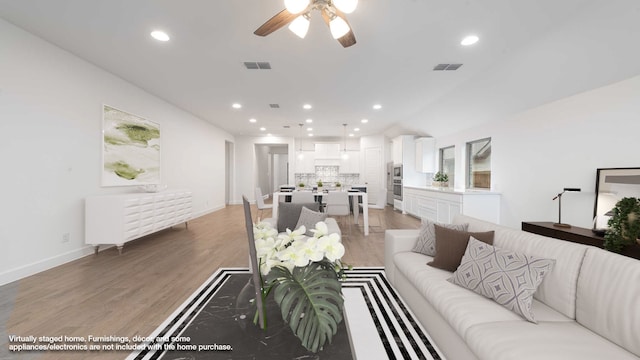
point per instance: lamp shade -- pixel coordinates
(338, 27)
(300, 26)
(296, 6)
(346, 6)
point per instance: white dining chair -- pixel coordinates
(260, 202)
(302, 197)
(337, 204)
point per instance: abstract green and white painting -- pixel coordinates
(131, 149)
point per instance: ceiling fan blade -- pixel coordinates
(347, 39)
(281, 19)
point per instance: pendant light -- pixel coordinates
(345, 155)
(300, 153)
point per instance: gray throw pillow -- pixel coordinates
(426, 243)
(309, 219)
(508, 277)
(288, 214)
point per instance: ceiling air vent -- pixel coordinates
(274, 106)
(442, 67)
(253, 65)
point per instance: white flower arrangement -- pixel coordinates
(294, 249)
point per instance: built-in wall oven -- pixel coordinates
(397, 189)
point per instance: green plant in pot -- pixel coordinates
(301, 185)
(319, 183)
(338, 184)
(441, 179)
(624, 225)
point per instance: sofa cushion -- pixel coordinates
(288, 214)
(426, 243)
(451, 245)
(508, 277)
(608, 300)
(558, 289)
(309, 218)
(546, 340)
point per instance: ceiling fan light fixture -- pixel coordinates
(296, 6)
(300, 26)
(346, 6)
(338, 27)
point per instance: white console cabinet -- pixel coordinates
(116, 219)
(443, 205)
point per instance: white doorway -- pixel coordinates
(228, 166)
(272, 166)
(372, 174)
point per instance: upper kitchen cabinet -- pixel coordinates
(327, 151)
(425, 155)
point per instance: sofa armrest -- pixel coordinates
(395, 241)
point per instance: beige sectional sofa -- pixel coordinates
(587, 307)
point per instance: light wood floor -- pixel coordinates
(133, 293)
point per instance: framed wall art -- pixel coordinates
(130, 149)
(612, 185)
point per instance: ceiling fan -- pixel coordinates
(297, 15)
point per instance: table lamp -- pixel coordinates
(559, 197)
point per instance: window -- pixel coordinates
(448, 163)
(479, 164)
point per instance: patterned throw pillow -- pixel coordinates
(426, 243)
(508, 277)
(309, 219)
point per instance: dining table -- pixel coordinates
(354, 195)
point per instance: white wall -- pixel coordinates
(50, 150)
(246, 164)
(538, 152)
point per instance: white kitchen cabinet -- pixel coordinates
(426, 155)
(116, 219)
(327, 151)
(396, 150)
(443, 205)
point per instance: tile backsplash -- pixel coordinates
(329, 176)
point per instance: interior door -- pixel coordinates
(373, 172)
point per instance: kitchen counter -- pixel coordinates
(451, 190)
(443, 204)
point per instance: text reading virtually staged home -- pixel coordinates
(323, 179)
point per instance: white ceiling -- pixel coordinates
(529, 53)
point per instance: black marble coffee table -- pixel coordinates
(211, 325)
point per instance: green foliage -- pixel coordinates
(301, 185)
(624, 225)
(311, 301)
(440, 176)
(338, 184)
(319, 183)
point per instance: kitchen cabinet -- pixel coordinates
(443, 205)
(426, 155)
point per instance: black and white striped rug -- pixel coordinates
(206, 326)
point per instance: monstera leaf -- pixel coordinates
(311, 302)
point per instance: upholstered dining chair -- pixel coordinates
(253, 259)
(302, 197)
(337, 204)
(260, 202)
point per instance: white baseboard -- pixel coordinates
(33, 268)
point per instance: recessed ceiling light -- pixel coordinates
(269, 135)
(236, 106)
(351, 135)
(364, 121)
(469, 40)
(309, 121)
(306, 106)
(356, 129)
(252, 120)
(309, 129)
(263, 129)
(310, 135)
(377, 107)
(160, 35)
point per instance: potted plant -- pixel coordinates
(441, 179)
(624, 225)
(319, 183)
(301, 185)
(338, 184)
